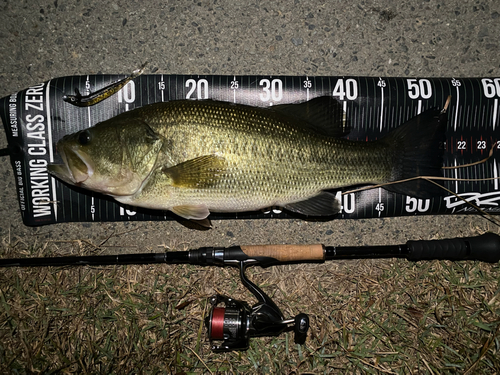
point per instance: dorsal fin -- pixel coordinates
(323, 115)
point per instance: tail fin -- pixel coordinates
(418, 147)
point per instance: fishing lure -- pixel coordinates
(80, 100)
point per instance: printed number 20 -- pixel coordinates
(200, 86)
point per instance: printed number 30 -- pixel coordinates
(273, 90)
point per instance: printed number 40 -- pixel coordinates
(347, 90)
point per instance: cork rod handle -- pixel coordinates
(286, 253)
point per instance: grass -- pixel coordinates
(369, 316)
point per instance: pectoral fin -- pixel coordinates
(201, 172)
(191, 212)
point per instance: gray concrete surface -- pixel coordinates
(45, 39)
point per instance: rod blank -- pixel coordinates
(485, 248)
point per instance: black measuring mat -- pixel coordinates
(36, 118)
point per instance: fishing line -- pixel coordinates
(477, 162)
(483, 213)
(430, 179)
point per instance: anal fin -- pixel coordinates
(323, 204)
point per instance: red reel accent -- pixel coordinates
(217, 323)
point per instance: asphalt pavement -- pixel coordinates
(46, 39)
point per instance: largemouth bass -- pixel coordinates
(193, 157)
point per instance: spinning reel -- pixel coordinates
(237, 322)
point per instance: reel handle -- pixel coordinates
(300, 327)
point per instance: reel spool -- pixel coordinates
(230, 323)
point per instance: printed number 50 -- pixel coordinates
(419, 89)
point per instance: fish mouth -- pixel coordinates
(76, 168)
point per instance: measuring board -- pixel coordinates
(36, 118)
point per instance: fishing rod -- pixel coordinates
(237, 322)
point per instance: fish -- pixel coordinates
(193, 157)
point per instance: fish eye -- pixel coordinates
(84, 137)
